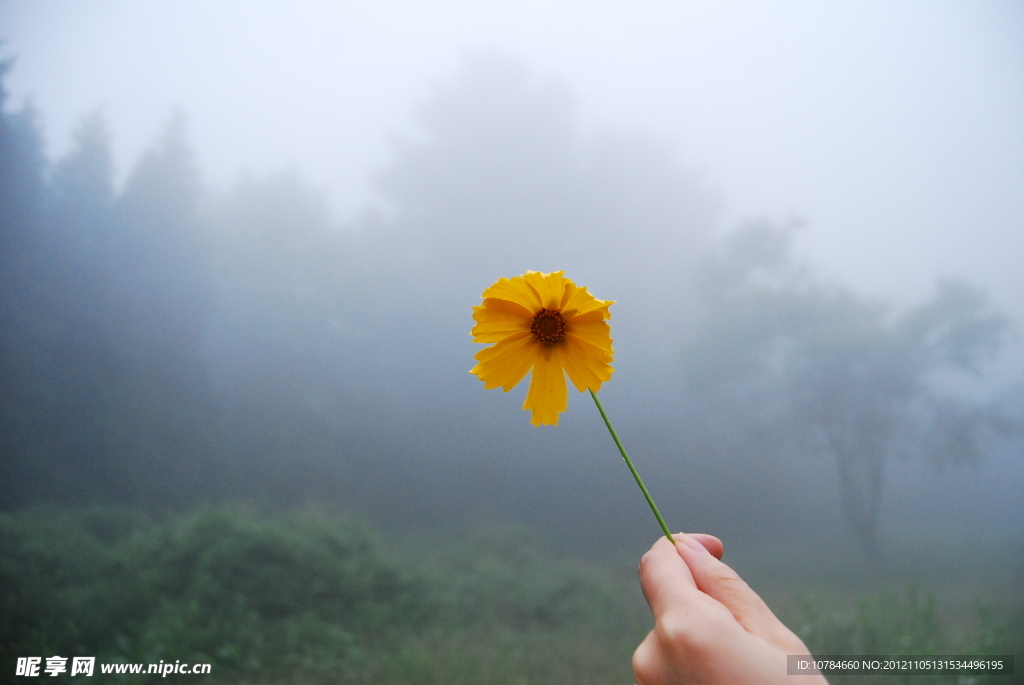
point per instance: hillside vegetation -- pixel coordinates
(308, 596)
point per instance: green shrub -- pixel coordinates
(228, 586)
(501, 576)
(906, 622)
(302, 594)
(306, 597)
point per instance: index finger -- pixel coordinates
(665, 578)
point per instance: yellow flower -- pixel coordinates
(542, 322)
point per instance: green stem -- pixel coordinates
(643, 488)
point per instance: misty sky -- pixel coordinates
(896, 130)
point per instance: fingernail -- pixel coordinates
(694, 544)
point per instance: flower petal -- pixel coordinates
(497, 323)
(582, 302)
(494, 307)
(495, 332)
(568, 292)
(515, 290)
(549, 287)
(581, 376)
(596, 332)
(506, 363)
(547, 396)
(583, 355)
(589, 317)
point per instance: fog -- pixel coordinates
(246, 265)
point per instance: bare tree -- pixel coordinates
(817, 366)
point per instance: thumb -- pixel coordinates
(720, 582)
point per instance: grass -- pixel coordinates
(307, 596)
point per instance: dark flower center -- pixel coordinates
(548, 326)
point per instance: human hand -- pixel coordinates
(709, 626)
